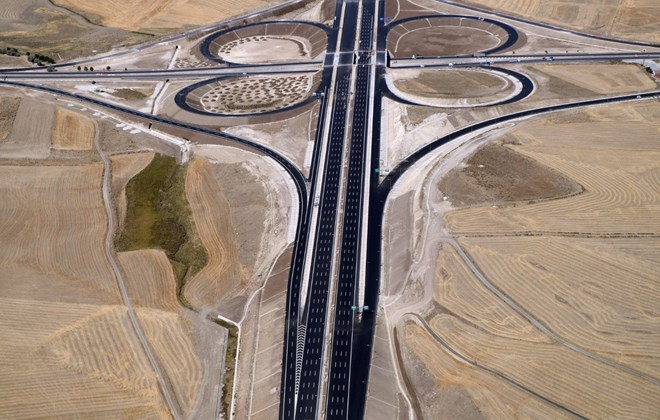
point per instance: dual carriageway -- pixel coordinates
(338, 238)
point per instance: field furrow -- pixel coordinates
(55, 222)
(149, 279)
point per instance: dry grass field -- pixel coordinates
(579, 383)
(71, 360)
(587, 80)
(458, 292)
(626, 19)
(39, 26)
(223, 274)
(161, 16)
(577, 291)
(171, 338)
(72, 131)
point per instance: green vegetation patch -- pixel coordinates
(158, 216)
(230, 363)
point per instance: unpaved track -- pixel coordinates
(458, 355)
(167, 393)
(538, 324)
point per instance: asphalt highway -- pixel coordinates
(345, 209)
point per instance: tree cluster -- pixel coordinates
(13, 52)
(38, 59)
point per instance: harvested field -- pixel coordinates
(584, 267)
(169, 335)
(457, 291)
(614, 160)
(626, 19)
(125, 167)
(566, 377)
(223, 274)
(30, 134)
(72, 130)
(149, 279)
(446, 388)
(85, 361)
(8, 109)
(498, 174)
(52, 234)
(159, 17)
(599, 299)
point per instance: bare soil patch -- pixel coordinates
(447, 88)
(497, 174)
(264, 49)
(130, 94)
(72, 131)
(452, 83)
(443, 40)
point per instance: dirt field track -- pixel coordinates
(558, 314)
(52, 234)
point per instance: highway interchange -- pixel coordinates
(328, 336)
